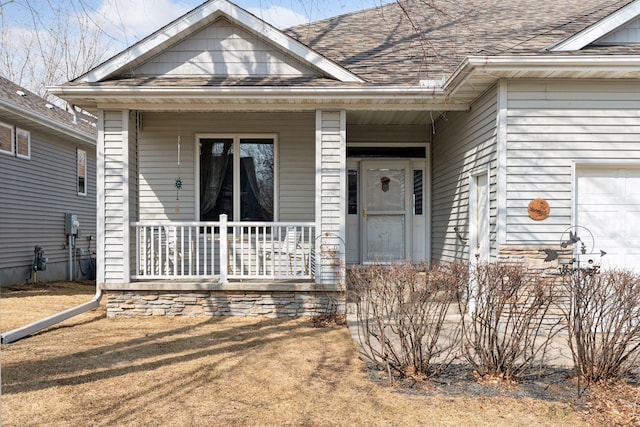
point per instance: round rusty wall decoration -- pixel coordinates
(538, 209)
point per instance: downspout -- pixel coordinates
(34, 327)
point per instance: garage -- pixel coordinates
(608, 206)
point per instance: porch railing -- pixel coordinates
(223, 250)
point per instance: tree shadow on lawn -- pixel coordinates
(208, 355)
(45, 289)
(150, 352)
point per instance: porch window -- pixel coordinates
(237, 178)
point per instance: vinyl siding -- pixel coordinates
(158, 166)
(35, 194)
(629, 33)
(463, 143)
(223, 49)
(550, 125)
(114, 195)
(330, 194)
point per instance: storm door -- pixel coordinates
(387, 192)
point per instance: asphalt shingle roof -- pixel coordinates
(401, 43)
(33, 103)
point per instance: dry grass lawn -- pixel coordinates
(94, 371)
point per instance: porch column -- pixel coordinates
(112, 243)
(331, 199)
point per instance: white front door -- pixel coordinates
(387, 192)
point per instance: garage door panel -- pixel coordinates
(608, 205)
(602, 223)
(632, 225)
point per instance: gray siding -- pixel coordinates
(628, 34)
(463, 143)
(550, 126)
(158, 166)
(35, 194)
(223, 49)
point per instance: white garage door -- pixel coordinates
(608, 205)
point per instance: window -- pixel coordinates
(6, 139)
(352, 192)
(81, 160)
(417, 191)
(237, 178)
(23, 143)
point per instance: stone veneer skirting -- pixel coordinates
(223, 303)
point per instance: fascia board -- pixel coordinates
(206, 13)
(48, 122)
(599, 29)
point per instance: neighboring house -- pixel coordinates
(476, 130)
(47, 170)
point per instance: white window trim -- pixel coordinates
(78, 151)
(11, 138)
(236, 169)
(28, 135)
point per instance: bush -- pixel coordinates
(603, 319)
(401, 314)
(506, 328)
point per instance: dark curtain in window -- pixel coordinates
(213, 169)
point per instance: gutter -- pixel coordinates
(34, 327)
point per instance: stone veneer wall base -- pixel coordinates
(223, 303)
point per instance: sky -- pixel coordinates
(130, 20)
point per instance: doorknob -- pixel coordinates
(364, 213)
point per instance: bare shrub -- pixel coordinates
(506, 328)
(603, 318)
(401, 312)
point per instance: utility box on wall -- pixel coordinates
(71, 224)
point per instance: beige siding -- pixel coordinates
(158, 163)
(551, 125)
(114, 195)
(331, 162)
(464, 142)
(223, 49)
(35, 194)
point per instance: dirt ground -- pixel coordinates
(94, 371)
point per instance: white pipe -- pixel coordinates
(31, 328)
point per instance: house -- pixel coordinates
(242, 168)
(47, 170)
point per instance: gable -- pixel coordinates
(224, 49)
(150, 50)
(613, 26)
(627, 34)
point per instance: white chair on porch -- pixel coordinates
(290, 251)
